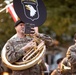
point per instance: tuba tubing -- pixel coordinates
(22, 66)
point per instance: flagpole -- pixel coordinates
(5, 7)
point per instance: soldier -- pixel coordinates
(57, 71)
(65, 67)
(17, 46)
(71, 55)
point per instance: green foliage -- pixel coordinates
(6, 28)
(61, 15)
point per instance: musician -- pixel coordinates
(18, 44)
(57, 71)
(71, 55)
(65, 67)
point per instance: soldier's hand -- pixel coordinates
(29, 45)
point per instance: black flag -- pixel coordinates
(30, 11)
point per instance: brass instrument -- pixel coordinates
(63, 67)
(31, 58)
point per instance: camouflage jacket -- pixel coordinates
(14, 52)
(71, 55)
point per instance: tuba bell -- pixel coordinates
(30, 59)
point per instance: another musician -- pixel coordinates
(57, 71)
(65, 67)
(71, 55)
(17, 46)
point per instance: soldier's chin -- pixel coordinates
(22, 32)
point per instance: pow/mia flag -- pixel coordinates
(30, 11)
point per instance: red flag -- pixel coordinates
(12, 12)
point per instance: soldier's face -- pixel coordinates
(20, 28)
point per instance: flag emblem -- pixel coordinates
(30, 9)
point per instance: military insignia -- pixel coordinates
(30, 8)
(7, 47)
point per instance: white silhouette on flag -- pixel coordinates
(31, 9)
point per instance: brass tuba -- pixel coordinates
(30, 59)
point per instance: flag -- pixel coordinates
(12, 12)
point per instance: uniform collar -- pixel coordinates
(22, 39)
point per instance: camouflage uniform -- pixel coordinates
(71, 55)
(60, 70)
(67, 64)
(14, 53)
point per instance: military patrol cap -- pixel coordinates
(18, 22)
(59, 60)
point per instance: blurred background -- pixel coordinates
(60, 24)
